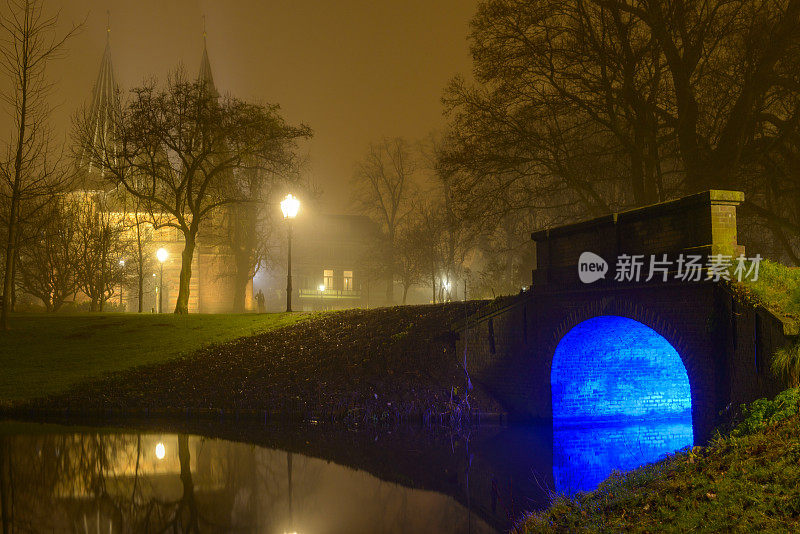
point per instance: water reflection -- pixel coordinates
(408, 480)
(164, 482)
(584, 456)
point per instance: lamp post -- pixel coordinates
(321, 288)
(289, 207)
(162, 256)
(121, 284)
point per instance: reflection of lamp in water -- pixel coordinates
(160, 451)
(291, 515)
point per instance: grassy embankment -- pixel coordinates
(746, 481)
(46, 354)
(360, 364)
(778, 290)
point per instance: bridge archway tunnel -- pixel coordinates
(621, 398)
(616, 369)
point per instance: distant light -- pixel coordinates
(446, 285)
(154, 275)
(162, 254)
(122, 263)
(321, 287)
(160, 451)
(289, 206)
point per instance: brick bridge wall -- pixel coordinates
(725, 346)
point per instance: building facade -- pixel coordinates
(330, 255)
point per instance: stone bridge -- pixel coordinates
(613, 349)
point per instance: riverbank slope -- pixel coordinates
(376, 363)
(48, 353)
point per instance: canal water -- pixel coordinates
(273, 479)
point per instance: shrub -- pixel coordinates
(763, 412)
(786, 365)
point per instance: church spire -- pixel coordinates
(205, 75)
(105, 97)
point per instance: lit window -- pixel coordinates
(348, 281)
(327, 278)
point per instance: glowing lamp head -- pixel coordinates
(160, 451)
(162, 254)
(289, 206)
(321, 287)
(122, 263)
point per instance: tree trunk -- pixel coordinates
(405, 293)
(242, 276)
(11, 245)
(189, 520)
(140, 260)
(141, 287)
(390, 281)
(8, 274)
(14, 278)
(182, 303)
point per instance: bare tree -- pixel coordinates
(594, 105)
(29, 42)
(139, 256)
(424, 239)
(178, 149)
(408, 267)
(48, 265)
(103, 243)
(384, 190)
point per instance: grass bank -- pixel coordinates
(744, 482)
(354, 363)
(777, 288)
(45, 354)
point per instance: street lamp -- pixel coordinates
(289, 207)
(162, 256)
(121, 284)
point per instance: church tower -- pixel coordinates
(102, 112)
(205, 74)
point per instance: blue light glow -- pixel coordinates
(585, 456)
(614, 368)
(621, 398)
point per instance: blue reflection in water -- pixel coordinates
(585, 456)
(621, 398)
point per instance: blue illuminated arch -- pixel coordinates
(615, 368)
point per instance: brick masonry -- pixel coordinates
(725, 346)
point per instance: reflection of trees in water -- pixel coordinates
(111, 483)
(114, 483)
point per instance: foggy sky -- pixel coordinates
(353, 70)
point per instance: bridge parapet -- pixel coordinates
(702, 224)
